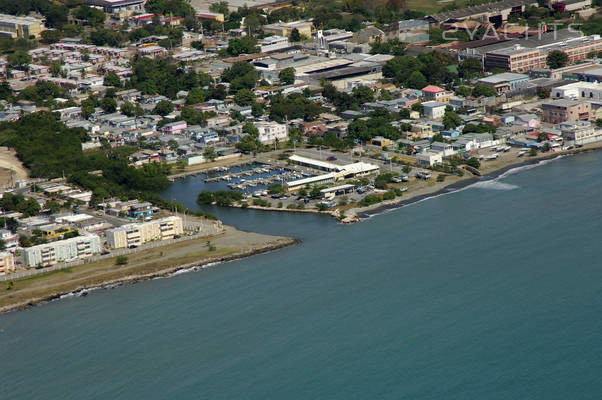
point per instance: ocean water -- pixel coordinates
(490, 292)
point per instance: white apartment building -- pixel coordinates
(7, 262)
(139, 233)
(72, 249)
(271, 131)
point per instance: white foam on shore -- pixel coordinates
(492, 184)
(191, 269)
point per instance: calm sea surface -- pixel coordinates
(491, 292)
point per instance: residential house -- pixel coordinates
(435, 93)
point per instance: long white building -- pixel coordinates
(72, 249)
(139, 233)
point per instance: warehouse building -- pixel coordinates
(20, 27)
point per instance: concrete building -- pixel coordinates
(559, 111)
(433, 109)
(72, 249)
(273, 43)
(408, 31)
(20, 27)
(518, 58)
(578, 90)
(285, 28)
(580, 132)
(271, 131)
(505, 81)
(140, 233)
(429, 158)
(7, 262)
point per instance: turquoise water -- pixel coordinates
(492, 292)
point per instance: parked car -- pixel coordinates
(332, 158)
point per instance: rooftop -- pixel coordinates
(503, 77)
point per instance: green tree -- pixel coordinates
(557, 59)
(210, 153)
(244, 97)
(470, 68)
(247, 45)
(128, 109)
(163, 108)
(473, 162)
(295, 35)
(416, 80)
(481, 89)
(287, 76)
(108, 105)
(19, 59)
(112, 79)
(121, 260)
(451, 120)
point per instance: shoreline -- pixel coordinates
(122, 277)
(358, 214)
(367, 212)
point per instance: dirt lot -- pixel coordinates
(9, 162)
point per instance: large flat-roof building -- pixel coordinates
(505, 81)
(334, 173)
(518, 58)
(20, 27)
(285, 28)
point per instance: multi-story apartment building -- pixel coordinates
(558, 111)
(20, 27)
(271, 131)
(7, 262)
(136, 234)
(72, 249)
